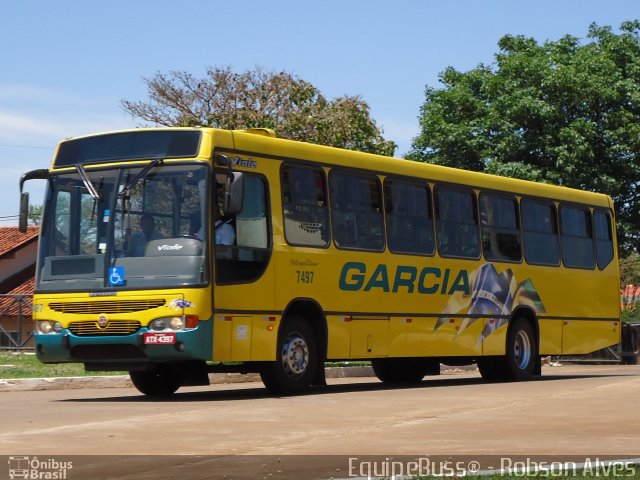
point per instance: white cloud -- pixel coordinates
(43, 129)
(33, 120)
(14, 125)
(24, 93)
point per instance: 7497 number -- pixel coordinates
(305, 276)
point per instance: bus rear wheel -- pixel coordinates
(162, 381)
(519, 362)
(296, 359)
(399, 370)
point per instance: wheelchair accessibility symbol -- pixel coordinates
(116, 276)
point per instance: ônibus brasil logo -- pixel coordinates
(33, 468)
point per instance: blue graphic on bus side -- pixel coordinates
(116, 276)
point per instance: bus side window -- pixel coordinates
(457, 222)
(248, 258)
(500, 228)
(409, 217)
(356, 211)
(540, 231)
(577, 237)
(304, 204)
(604, 238)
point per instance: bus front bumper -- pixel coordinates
(124, 352)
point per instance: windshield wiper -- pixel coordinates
(87, 181)
(142, 173)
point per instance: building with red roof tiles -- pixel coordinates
(17, 257)
(17, 283)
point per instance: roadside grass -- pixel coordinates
(26, 365)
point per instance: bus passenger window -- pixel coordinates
(577, 238)
(457, 223)
(500, 228)
(356, 212)
(604, 238)
(540, 230)
(409, 217)
(305, 209)
(248, 258)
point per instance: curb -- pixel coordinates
(123, 381)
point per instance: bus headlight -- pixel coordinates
(158, 324)
(49, 326)
(176, 323)
(167, 324)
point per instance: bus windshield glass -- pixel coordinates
(148, 236)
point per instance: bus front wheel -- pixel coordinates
(162, 381)
(296, 359)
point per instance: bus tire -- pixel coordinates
(296, 359)
(162, 381)
(399, 370)
(522, 351)
(520, 361)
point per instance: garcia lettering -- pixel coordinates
(406, 278)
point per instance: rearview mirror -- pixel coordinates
(40, 174)
(234, 193)
(24, 212)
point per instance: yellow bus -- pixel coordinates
(175, 252)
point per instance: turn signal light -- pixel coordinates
(191, 321)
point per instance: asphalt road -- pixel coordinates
(571, 410)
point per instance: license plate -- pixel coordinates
(159, 338)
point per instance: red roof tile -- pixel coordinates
(25, 288)
(11, 238)
(9, 305)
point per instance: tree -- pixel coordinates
(35, 214)
(564, 112)
(292, 107)
(630, 270)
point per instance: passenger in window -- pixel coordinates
(223, 226)
(148, 232)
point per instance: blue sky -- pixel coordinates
(65, 65)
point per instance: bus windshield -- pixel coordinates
(144, 234)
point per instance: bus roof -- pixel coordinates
(262, 142)
(250, 143)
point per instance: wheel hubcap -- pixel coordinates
(295, 355)
(522, 350)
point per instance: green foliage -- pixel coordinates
(35, 214)
(630, 270)
(630, 275)
(292, 107)
(564, 112)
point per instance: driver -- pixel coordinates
(148, 232)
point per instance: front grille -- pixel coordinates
(114, 327)
(109, 306)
